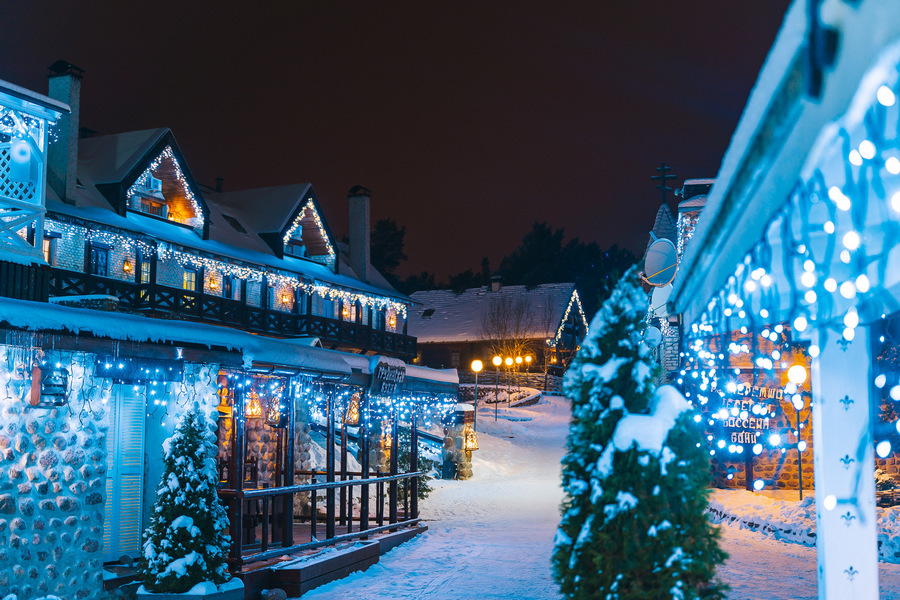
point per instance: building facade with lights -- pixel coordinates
(546, 323)
(129, 295)
(793, 274)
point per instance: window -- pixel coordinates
(99, 260)
(270, 296)
(234, 223)
(191, 279)
(151, 207)
(454, 358)
(296, 247)
(49, 248)
(145, 270)
(426, 314)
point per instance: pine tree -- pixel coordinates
(186, 542)
(635, 476)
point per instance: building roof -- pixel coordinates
(692, 203)
(33, 98)
(663, 226)
(113, 158)
(445, 316)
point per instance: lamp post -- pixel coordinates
(477, 365)
(496, 360)
(797, 375)
(518, 364)
(508, 362)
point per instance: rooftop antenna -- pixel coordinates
(662, 177)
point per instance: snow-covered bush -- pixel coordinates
(635, 474)
(186, 542)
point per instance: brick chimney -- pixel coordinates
(65, 86)
(360, 231)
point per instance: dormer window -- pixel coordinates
(296, 247)
(162, 190)
(151, 207)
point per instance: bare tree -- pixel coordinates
(507, 327)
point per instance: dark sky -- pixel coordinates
(469, 121)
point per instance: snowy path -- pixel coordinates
(762, 568)
(489, 537)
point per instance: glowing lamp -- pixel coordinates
(508, 361)
(883, 448)
(797, 374)
(126, 266)
(759, 484)
(518, 360)
(253, 407)
(351, 416)
(285, 298)
(470, 439)
(477, 366)
(528, 359)
(497, 360)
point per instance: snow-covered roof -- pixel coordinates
(109, 159)
(663, 226)
(27, 95)
(445, 316)
(40, 317)
(263, 209)
(688, 182)
(692, 203)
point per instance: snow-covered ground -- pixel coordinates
(491, 537)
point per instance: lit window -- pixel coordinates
(49, 248)
(190, 279)
(151, 207)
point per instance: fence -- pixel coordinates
(545, 382)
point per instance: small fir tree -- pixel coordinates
(186, 542)
(635, 476)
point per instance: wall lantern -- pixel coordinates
(127, 266)
(470, 439)
(252, 406)
(351, 415)
(224, 394)
(52, 389)
(277, 415)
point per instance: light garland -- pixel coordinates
(143, 180)
(573, 301)
(165, 251)
(819, 265)
(296, 224)
(19, 125)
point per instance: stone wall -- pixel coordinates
(52, 466)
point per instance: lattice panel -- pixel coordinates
(17, 190)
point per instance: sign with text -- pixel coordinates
(749, 412)
(387, 379)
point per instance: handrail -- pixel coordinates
(311, 487)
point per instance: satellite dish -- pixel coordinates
(658, 300)
(661, 263)
(652, 337)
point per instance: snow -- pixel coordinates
(649, 432)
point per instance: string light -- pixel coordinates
(574, 301)
(144, 179)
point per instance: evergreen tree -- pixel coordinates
(186, 542)
(635, 476)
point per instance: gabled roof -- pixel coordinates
(274, 212)
(444, 316)
(109, 165)
(663, 226)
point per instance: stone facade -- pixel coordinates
(52, 482)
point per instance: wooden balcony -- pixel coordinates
(156, 300)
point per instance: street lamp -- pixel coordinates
(518, 381)
(797, 375)
(508, 362)
(477, 365)
(496, 360)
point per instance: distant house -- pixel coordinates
(546, 323)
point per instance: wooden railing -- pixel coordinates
(269, 511)
(197, 306)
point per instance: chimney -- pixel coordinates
(360, 231)
(495, 283)
(65, 86)
(220, 181)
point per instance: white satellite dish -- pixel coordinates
(661, 262)
(658, 299)
(652, 337)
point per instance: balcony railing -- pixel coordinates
(216, 310)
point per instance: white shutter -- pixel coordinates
(125, 477)
(109, 512)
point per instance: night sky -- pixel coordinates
(469, 121)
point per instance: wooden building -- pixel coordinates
(545, 323)
(127, 294)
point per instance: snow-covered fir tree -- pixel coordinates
(635, 475)
(186, 542)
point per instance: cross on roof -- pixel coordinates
(662, 177)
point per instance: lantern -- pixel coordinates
(351, 415)
(277, 415)
(54, 384)
(470, 439)
(252, 406)
(223, 394)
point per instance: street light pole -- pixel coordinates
(496, 360)
(477, 365)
